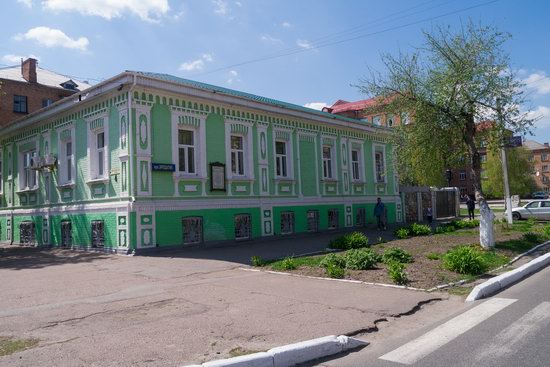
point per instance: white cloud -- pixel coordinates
(221, 7)
(542, 114)
(316, 105)
(50, 37)
(239, 4)
(286, 24)
(15, 59)
(198, 64)
(304, 44)
(539, 82)
(270, 39)
(27, 3)
(233, 77)
(148, 10)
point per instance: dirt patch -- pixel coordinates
(11, 345)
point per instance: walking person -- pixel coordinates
(471, 204)
(379, 213)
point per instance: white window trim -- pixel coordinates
(187, 147)
(333, 162)
(93, 175)
(248, 148)
(379, 148)
(21, 172)
(61, 158)
(351, 144)
(287, 156)
(200, 147)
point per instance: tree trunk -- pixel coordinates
(486, 229)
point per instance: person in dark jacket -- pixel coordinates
(380, 214)
(471, 204)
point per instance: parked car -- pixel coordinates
(540, 195)
(536, 209)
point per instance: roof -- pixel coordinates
(43, 76)
(236, 93)
(533, 145)
(342, 106)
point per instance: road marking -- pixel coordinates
(444, 333)
(506, 342)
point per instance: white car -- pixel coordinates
(536, 209)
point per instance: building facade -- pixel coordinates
(28, 88)
(149, 160)
(368, 110)
(540, 157)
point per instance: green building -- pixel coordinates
(145, 160)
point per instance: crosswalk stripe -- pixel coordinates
(444, 333)
(506, 342)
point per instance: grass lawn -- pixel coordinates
(464, 211)
(429, 267)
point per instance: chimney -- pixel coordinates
(28, 70)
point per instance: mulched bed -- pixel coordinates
(423, 272)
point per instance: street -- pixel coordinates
(510, 329)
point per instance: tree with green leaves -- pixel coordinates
(455, 80)
(519, 173)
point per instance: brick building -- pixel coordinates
(540, 157)
(367, 110)
(26, 88)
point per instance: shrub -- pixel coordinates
(402, 233)
(288, 263)
(533, 237)
(433, 256)
(334, 271)
(396, 254)
(531, 222)
(420, 229)
(397, 273)
(350, 241)
(257, 261)
(361, 259)
(333, 259)
(546, 229)
(465, 260)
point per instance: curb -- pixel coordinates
(291, 354)
(497, 283)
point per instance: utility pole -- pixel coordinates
(507, 198)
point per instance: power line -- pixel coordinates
(265, 58)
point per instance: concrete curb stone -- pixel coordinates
(291, 354)
(497, 283)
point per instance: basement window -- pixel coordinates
(243, 226)
(192, 230)
(98, 234)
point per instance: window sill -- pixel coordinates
(68, 185)
(103, 180)
(180, 176)
(25, 191)
(284, 179)
(358, 182)
(240, 179)
(329, 180)
(381, 183)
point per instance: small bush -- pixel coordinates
(288, 263)
(397, 273)
(433, 256)
(465, 260)
(531, 222)
(402, 233)
(257, 261)
(350, 241)
(396, 254)
(334, 271)
(533, 237)
(361, 259)
(420, 229)
(546, 229)
(333, 260)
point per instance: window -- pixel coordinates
(377, 120)
(462, 175)
(287, 222)
(545, 179)
(534, 204)
(390, 120)
(483, 158)
(243, 226)
(281, 162)
(98, 234)
(327, 161)
(237, 155)
(312, 220)
(544, 157)
(463, 190)
(405, 118)
(192, 230)
(379, 166)
(186, 151)
(66, 158)
(531, 158)
(28, 179)
(483, 174)
(355, 165)
(66, 233)
(20, 104)
(361, 217)
(98, 140)
(545, 168)
(46, 102)
(26, 233)
(333, 219)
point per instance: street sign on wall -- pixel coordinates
(513, 142)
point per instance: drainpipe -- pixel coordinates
(131, 189)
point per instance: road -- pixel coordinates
(510, 329)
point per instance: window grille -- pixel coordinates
(312, 220)
(333, 219)
(27, 233)
(243, 226)
(361, 217)
(192, 230)
(98, 233)
(287, 222)
(66, 235)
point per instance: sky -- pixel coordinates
(307, 52)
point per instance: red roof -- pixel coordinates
(343, 106)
